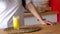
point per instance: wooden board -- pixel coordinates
(22, 29)
(55, 29)
(42, 14)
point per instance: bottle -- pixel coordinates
(16, 22)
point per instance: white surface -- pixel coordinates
(8, 9)
(33, 20)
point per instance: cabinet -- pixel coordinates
(52, 17)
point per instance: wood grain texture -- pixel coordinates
(55, 29)
(23, 29)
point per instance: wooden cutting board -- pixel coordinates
(22, 29)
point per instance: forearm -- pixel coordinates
(33, 10)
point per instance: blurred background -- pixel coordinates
(50, 10)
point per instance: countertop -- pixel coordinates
(55, 29)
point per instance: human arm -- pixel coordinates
(34, 11)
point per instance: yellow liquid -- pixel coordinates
(16, 22)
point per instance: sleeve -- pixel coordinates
(27, 1)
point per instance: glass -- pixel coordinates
(16, 22)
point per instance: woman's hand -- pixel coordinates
(44, 22)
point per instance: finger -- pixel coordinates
(49, 23)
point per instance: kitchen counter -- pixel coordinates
(55, 29)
